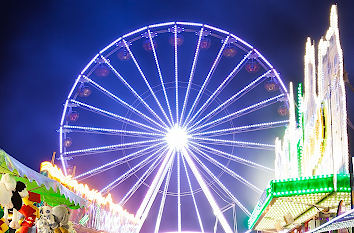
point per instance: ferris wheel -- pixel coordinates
(176, 120)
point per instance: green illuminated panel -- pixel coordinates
(308, 188)
(300, 125)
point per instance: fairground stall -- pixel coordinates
(101, 214)
(42, 191)
(50, 192)
(312, 162)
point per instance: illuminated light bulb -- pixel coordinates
(177, 138)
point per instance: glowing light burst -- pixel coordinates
(175, 132)
(177, 138)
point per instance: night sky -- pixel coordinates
(45, 44)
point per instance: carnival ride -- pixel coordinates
(168, 116)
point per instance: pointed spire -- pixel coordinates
(310, 78)
(333, 21)
(292, 117)
(310, 68)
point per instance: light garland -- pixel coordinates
(83, 190)
(301, 127)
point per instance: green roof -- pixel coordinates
(51, 191)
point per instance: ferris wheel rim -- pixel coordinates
(196, 146)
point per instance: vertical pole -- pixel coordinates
(351, 184)
(351, 180)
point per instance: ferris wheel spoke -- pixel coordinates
(117, 162)
(112, 115)
(216, 209)
(146, 81)
(176, 70)
(132, 90)
(242, 129)
(227, 170)
(193, 197)
(221, 185)
(150, 196)
(125, 104)
(233, 98)
(141, 180)
(234, 158)
(102, 149)
(163, 200)
(217, 190)
(211, 71)
(160, 75)
(252, 145)
(221, 194)
(221, 86)
(194, 64)
(95, 130)
(241, 112)
(150, 110)
(130, 172)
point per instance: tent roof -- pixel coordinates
(51, 191)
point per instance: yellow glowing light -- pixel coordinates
(83, 190)
(301, 208)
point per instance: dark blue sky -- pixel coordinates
(45, 44)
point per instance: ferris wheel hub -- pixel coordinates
(177, 137)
